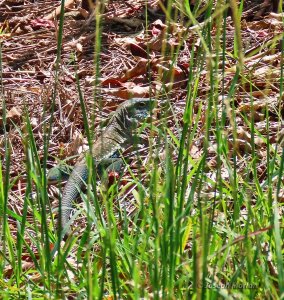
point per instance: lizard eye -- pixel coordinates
(141, 104)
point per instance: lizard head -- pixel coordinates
(136, 110)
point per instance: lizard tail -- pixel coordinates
(71, 191)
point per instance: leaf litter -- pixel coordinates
(133, 63)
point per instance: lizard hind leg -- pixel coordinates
(110, 165)
(109, 170)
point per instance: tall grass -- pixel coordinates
(197, 230)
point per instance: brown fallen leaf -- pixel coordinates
(5, 36)
(170, 85)
(40, 23)
(137, 50)
(195, 152)
(75, 145)
(84, 12)
(112, 82)
(241, 146)
(161, 36)
(56, 12)
(79, 47)
(169, 72)
(12, 116)
(139, 69)
(127, 93)
(172, 74)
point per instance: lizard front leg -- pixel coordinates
(59, 173)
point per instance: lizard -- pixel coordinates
(115, 137)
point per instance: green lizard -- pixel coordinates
(116, 137)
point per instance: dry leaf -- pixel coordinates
(12, 116)
(79, 47)
(137, 50)
(241, 146)
(127, 93)
(139, 69)
(40, 23)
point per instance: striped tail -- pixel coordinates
(72, 189)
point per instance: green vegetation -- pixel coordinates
(198, 215)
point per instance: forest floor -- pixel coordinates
(140, 59)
